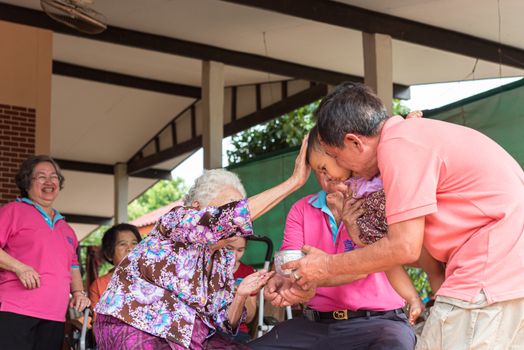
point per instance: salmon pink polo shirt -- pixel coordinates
(311, 222)
(49, 247)
(471, 193)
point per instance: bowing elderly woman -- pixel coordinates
(176, 288)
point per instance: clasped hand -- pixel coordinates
(283, 291)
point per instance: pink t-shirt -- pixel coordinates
(471, 192)
(26, 236)
(308, 222)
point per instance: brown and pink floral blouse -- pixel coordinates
(172, 276)
(372, 224)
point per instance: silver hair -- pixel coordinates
(208, 185)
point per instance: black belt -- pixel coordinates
(341, 315)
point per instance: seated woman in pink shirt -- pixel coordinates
(357, 312)
(38, 263)
(362, 206)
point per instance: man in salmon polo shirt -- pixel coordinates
(331, 322)
(449, 188)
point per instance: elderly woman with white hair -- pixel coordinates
(176, 288)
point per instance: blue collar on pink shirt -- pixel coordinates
(47, 219)
(319, 201)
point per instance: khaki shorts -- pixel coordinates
(456, 324)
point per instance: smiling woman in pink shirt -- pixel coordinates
(38, 262)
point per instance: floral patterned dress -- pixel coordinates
(172, 277)
(373, 223)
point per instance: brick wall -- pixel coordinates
(17, 142)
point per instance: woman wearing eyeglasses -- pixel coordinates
(38, 263)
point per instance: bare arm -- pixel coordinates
(249, 285)
(80, 300)
(261, 203)
(401, 246)
(76, 280)
(402, 284)
(251, 308)
(234, 311)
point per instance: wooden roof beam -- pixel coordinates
(169, 45)
(352, 17)
(107, 77)
(108, 169)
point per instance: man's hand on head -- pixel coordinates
(414, 115)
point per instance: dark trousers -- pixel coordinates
(390, 331)
(19, 332)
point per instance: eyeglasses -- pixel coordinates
(42, 179)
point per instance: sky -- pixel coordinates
(422, 97)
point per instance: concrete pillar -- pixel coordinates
(213, 113)
(121, 190)
(25, 99)
(378, 66)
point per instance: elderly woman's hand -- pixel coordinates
(252, 283)
(80, 300)
(28, 276)
(302, 169)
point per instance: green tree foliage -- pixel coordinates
(159, 195)
(420, 281)
(95, 237)
(399, 108)
(280, 133)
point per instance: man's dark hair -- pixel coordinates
(24, 176)
(351, 108)
(109, 239)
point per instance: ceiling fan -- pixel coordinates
(76, 14)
